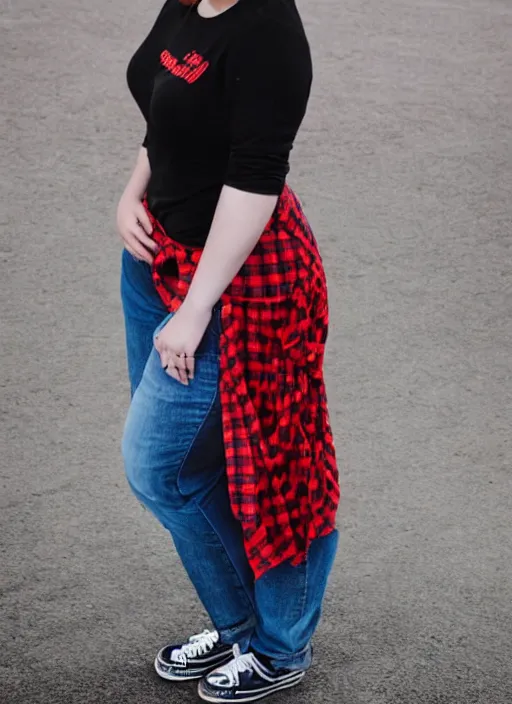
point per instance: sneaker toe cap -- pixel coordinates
(217, 679)
(164, 655)
(212, 690)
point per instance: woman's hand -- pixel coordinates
(178, 341)
(134, 227)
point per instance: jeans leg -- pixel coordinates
(192, 501)
(216, 508)
(174, 459)
(210, 569)
(289, 603)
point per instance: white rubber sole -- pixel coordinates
(175, 678)
(253, 698)
(189, 678)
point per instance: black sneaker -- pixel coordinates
(193, 660)
(246, 679)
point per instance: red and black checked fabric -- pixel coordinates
(280, 457)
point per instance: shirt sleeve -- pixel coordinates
(269, 76)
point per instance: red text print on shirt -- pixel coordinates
(191, 69)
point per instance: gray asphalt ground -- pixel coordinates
(404, 166)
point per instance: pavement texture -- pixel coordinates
(404, 166)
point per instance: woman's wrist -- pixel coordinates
(196, 303)
(136, 191)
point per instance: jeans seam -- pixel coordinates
(305, 591)
(241, 583)
(189, 450)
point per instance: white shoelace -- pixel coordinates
(233, 669)
(197, 645)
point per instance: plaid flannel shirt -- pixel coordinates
(280, 457)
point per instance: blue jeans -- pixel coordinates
(174, 459)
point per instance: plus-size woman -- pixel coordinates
(227, 440)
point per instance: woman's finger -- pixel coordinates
(181, 365)
(170, 361)
(132, 251)
(144, 219)
(138, 251)
(190, 364)
(171, 371)
(165, 357)
(141, 251)
(137, 231)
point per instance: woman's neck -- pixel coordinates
(211, 8)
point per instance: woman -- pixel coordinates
(227, 439)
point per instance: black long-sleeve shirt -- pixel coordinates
(223, 98)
